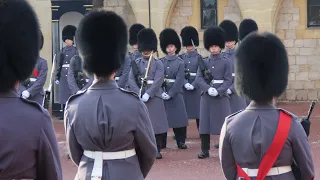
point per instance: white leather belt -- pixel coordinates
(87, 80)
(273, 171)
(32, 79)
(99, 156)
(217, 81)
(170, 80)
(149, 82)
(193, 74)
(232, 74)
(116, 78)
(66, 65)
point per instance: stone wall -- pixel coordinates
(304, 55)
(123, 8)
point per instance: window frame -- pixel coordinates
(308, 16)
(201, 14)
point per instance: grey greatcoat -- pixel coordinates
(34, 84)
(247, 135)
(76, 74)
(109, 119)
(237, 103)
(122, 75)
(213, 110)
(175, 107)
(192, 97)
(63, 64)
(29, 148)
(155, 104)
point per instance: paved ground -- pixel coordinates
(184, 165)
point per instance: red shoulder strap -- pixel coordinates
(35, 72)
(274, 150)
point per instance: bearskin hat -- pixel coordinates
(231, 30)
(147, 40)
(214, 35)
(169, 36)
(102, 40)
(246, 27)
(133, 33)
(41, 41)
(18, 23)
(261, 67)
(68, 32)
(189, 33)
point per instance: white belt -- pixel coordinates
(217, 81)
(273, 171)
(149, 82)
(116, 78)
(66, 65)
(32, 79)
(232, 74)
(87, 80)
(170, 80)
(193, 74)
(99, 156)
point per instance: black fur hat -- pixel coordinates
(169, 36)
(261, 67)
(147, 40)
(41, 41)
(68, 32)
(231, 30)
(133, 33)
(214, 35)
(189, 33)
(19, 42)
(102, 40)
(246, 27)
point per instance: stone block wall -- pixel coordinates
(304, 55)
(123, 8)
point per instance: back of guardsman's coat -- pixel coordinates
(236, 102)
(109, 132)
(262, 74)
(29, 148)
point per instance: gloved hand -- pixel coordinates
(25, 94)
(57, 81)
(145, 97)
(229, 91)
(188, 86)
(212, 92)
(165, 96)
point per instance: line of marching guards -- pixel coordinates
(123, 103)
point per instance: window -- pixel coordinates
(313, 13)
(208, 13)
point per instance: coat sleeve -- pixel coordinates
(48, 158)
(123, 79)
(227, 78)
(179, 81)
(145, 141)
(158, 79)
(59, 61)
(302, 151)
(41, 79)
(226, 155)
(232, 87)
(71, 77)
(132, 83)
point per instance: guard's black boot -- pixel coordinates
(164, 141)
(216, 146)
(159, 155)
(182, 145)
(203, 154)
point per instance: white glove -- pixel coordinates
(191, 87)
(165, 96)
(188, 86)
(25, 94)
(145, 97)
(229, 91)
(212, 92)
(57, 81)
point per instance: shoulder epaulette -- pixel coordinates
(163, 58)
(182, 55)
(35, 104)
(287, 112)
(72, 97)
(231, 115)
(129, 92)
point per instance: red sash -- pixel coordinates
(274, 150)
(35, 72)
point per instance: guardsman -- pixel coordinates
(214, 77)
(151, 89)
(29, 148)
(63, 59)
(109, 133)
(236, 102)
(32, 87)
(78, 80)
(123, 73)
(173, 83)
(262, 141)
(191, 91)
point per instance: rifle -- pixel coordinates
(144, 79)
(136, 73)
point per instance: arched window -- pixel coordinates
(209, 15)
(313, 13)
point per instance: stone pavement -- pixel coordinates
(183, 164)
